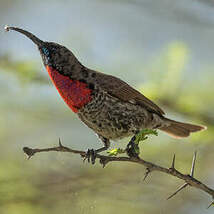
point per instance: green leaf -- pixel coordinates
(115, 152)
(142, 135)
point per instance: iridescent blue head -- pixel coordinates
(45, 53)
(49, 52)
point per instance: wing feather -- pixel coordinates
(120, 89)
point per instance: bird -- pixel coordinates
(106, 104)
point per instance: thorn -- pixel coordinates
(60, 143)
(173, 162)
(193, 164)
(146, 173)
(103, 162)
(210, 205)
(178, 190)
(29, 157)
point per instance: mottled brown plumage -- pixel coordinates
(114, 109)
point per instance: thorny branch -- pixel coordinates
(150, 167)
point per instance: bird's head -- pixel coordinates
(52, 54)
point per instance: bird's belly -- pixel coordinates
(112, 118)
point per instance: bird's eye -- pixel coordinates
(45, 51)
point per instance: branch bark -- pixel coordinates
(150, 167)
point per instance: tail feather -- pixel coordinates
(180, 130)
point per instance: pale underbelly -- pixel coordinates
(115, 119)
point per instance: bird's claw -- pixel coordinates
(90, 156)
(132, 149)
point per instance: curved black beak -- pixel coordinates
(35, 40)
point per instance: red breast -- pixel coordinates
(74, 93)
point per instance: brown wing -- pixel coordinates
(120, 89)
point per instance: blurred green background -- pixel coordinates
(163, 48)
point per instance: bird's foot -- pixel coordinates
(132, 149)
(90, 156)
